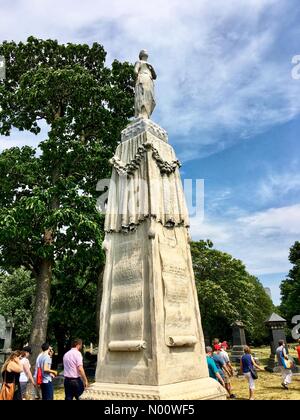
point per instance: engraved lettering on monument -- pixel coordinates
(179, 328)
(127, 299)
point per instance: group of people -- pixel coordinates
(16, 373)
(220, 367)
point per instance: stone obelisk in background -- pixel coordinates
(151, 340)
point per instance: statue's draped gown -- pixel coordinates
(144, 90)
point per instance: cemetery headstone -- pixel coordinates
(238, 341)
(276, 325)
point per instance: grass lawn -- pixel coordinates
(268, 385)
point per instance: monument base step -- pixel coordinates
(199, 389)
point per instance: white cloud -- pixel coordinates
(284, 220)
(278, 185)
(261, 240)
(217, 64)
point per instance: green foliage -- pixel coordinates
(290, 287)
(48, 196)
(86, 105)
(227, 293)
(16, 302)
(73, 306)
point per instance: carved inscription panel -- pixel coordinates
(178, 302)
(126, 321)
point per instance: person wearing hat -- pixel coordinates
(26, 375)
(221, 362)
(225, 356)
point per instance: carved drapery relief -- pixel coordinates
(145, 184)
(129, 168)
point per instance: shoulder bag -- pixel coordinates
(7, 391)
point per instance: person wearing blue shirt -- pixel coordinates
(44, 362)
(247, 364)
(212, 368)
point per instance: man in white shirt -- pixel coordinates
(225, 356)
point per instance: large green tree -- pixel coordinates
(290, 287)
(227, 293)
(48, 220)
(17, 302)
(73, 305)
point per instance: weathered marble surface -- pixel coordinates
(145, 183)
(141, 125)
(151, 340)
(199, 389)
(144, 103)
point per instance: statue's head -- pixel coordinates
(143, 55)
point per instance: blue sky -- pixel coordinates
(225, 94)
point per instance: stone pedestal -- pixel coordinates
(151, 340)
(277, 326)
(238, 341)
(200, 389)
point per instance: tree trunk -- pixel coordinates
(42, 297)
(41, 309)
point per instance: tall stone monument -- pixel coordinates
(151, 340)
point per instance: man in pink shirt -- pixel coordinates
(75, 377)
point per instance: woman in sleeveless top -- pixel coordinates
(247, 364)
(11, 373)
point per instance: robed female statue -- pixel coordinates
(144, 103)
